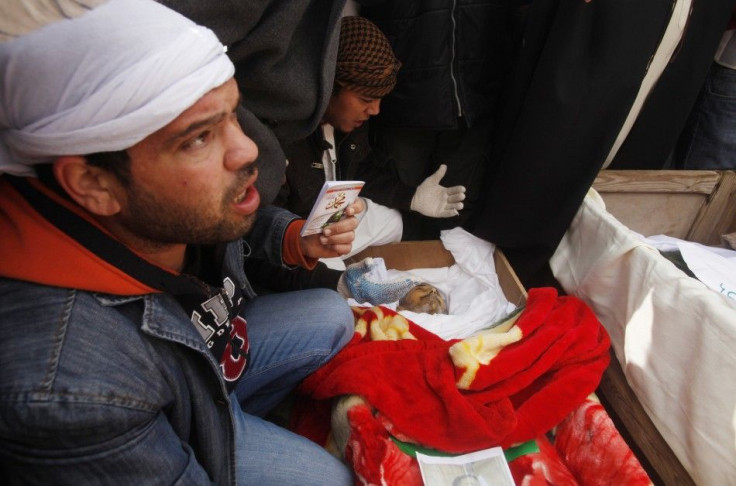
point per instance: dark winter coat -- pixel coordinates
(579, 72)
(454, 57)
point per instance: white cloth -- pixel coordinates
(674, 337)
(102, 81)
(471, 288)
(715, 267)
(329, 156)
(671, 39)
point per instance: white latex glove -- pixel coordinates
(436, 201)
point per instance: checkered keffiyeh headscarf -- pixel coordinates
(366, 63)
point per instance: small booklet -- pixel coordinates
(330, 206)
(483, 468)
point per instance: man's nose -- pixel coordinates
(241, 150)
(374, 107)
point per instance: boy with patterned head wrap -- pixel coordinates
(365, 61)
(365, 72)
(133, 349)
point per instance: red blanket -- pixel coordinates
(585, 449)
(501, 387)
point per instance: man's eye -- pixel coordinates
(197, 142)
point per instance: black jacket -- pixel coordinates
(305, 172)
(578, 75)
(454, 57)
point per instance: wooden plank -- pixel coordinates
(650, 214)
(511, 286)
(624, 407)
(718, 215)
(696, 205)
(657, 181)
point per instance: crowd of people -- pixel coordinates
(157, 163)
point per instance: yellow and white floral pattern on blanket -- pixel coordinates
(470, 353)
(382, 326)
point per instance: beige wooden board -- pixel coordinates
(718, 217)
(621, 402)
(696, 205)
(656, 181)
(656, 213)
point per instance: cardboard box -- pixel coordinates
(407, 255)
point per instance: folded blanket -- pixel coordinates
(501, 387)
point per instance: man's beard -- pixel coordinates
(160, 223)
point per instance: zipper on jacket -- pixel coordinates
(329, 149)
(452, 59)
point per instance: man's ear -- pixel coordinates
(91, 187)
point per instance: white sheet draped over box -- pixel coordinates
(471, 288)
(674, 337)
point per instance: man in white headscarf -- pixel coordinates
(284, 55)
(132, 347)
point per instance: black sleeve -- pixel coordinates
(383, 186)
(267, 277)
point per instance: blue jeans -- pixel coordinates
(709, 138)
(291, 334)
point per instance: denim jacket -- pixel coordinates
(105, 389)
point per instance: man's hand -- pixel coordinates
(436, 201)
(336, 239)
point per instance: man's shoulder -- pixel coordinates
(44, 316)
(37, 309)
(64, 352)
(59, 334)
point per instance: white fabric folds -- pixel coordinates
(673, 336)
(475, 299)
(102, 82)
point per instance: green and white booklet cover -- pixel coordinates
(330, 206)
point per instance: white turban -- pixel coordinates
(102, 82)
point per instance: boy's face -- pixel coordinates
(347, 110)
(192, 181)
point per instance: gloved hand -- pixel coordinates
(436, 201)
